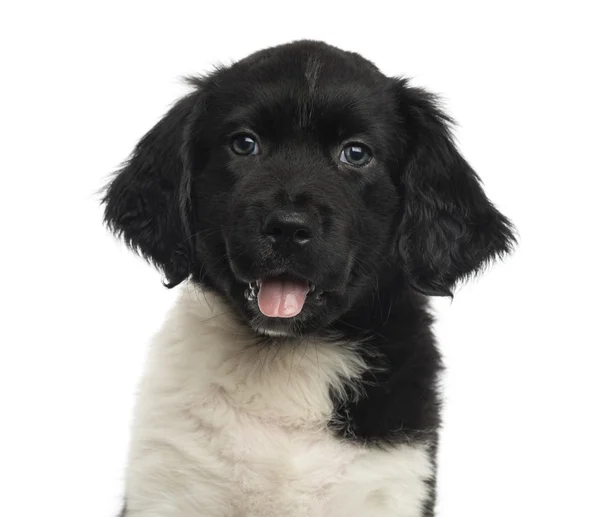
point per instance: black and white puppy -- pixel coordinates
(311, 204)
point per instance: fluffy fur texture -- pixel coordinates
(334, 411)
(228, 426)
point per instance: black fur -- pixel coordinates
(411, 223)
(146, 203)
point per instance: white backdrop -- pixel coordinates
(82, 81)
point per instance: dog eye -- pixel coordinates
(244, 145)
(356, 154)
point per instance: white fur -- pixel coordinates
(227, 428)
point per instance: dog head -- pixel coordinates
(297, 179)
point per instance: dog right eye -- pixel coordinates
(356, 154)
(244, 145)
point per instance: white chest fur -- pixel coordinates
(226, 428)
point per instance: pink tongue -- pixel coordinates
(278, 298)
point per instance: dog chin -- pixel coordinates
(310, 320)
(273, 333)
(278, 327)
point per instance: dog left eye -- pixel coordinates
(356, 154)
(244, 145)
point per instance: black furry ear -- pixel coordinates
(449, 229)
(147, 203)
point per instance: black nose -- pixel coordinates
(283, 226)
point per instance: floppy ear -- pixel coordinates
(147, 203)
(449, 229)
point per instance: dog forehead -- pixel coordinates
(303, 48)
(279, 112)
(306, 86)
(312, 71)
(305, 63)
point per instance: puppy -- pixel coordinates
(310, 205)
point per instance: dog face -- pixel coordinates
(296, 180)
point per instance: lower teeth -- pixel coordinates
(252, 292)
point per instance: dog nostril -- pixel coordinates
(276, 233)
(302, 235)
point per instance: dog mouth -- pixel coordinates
(281, 296)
